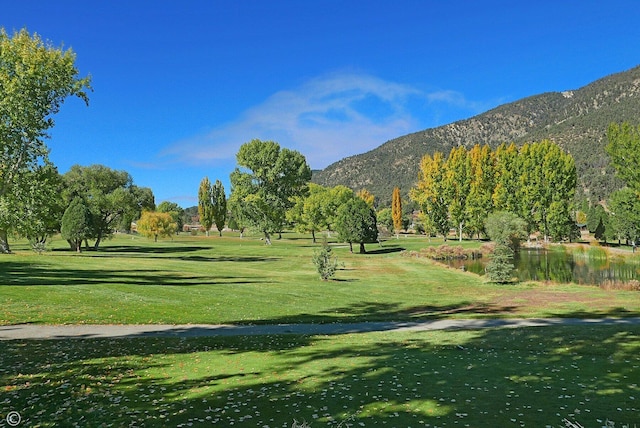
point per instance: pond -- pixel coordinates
(539, 264)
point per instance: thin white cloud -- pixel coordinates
(326, 119)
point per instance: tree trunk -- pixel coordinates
(267, 238)
(362, 249)
(4, 242)
(460, 233)
(313, 235)
(351, 247)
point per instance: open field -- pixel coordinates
(483, 378)
(533, 377)
(231, 280)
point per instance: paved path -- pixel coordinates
(36, 331)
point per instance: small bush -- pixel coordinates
(325, 262)
(500, 268)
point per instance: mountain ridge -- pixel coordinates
(577, 120)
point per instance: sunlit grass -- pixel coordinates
(231, 280)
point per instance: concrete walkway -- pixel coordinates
(37, 331)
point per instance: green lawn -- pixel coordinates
(532, 377)
(233, 280)
(486, 378)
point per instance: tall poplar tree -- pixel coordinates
(430, 195)
(457, 184)
(479, 202)
(507, 170)
(205, 205)
(396, 209)
(219, 201)
(35, 80)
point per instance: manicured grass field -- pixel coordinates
(232, 280)
(528, 377)
(533, 377)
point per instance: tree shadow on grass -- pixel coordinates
(484, 378)
(376, 311)
(25, 274)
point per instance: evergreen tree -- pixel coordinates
(205, 205)
(76, 224)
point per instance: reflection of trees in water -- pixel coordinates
(537, 264)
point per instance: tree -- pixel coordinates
(457, 182)
(175, 211)
(156, 224)
(309, 213)
(35, 80)
(368, 197)
(205, 205)
(506, 190)
(266, 182)
(506, 228)
(396, 209)
(76, 224)
(429, 193)
(480, 202)
(624, 151)
(43, 207)
(237, 218)
(500, 267)
(219, 202)
(325, 262)
(385, 219)
(356, 222)
(625, 214)
(110, 196)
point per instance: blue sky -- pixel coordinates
(180, 85)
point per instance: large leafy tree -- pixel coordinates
(356, 222)
(110, 196)
(624, 150)
(266, 182)
(457, 182)
(507, 170)
(309, 213)
(219, 200)
(42, 206)
(175, 211)
(430, 194)
(35, 79)
(479, 202)
(625, 214)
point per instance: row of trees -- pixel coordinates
(536, 182)
(270, 190)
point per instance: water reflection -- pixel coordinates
(539, 264)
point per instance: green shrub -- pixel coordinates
(325, 262)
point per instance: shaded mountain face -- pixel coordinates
(576, 120)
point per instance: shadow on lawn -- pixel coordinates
(25, 274)
(377, 311)
(488, 378)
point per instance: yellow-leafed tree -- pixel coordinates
(155, 224)
(396, 209)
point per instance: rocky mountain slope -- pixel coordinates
(577, 120)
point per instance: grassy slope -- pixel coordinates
(232, 280)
